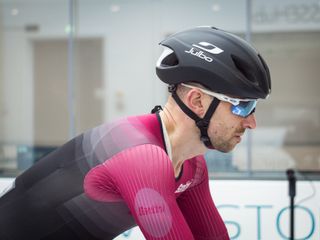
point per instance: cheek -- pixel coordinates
(222, 131)
(216, 131)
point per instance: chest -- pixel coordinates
(187, 178)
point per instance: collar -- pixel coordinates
(166, 139)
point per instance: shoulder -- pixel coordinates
(140, 158)
(107, 140)
(147, 165)
(146, 160)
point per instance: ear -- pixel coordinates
(196, 101)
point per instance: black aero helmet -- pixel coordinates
(218, 60)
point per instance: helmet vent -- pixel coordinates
(170, 60)
(244, 68)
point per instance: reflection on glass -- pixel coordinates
(115, 49)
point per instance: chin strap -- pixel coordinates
(201, 123)
(156, 109)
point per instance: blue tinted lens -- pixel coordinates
(244, 109)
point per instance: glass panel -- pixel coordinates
(32, 80)
(112, 66)
(110, 62)
(287, 34)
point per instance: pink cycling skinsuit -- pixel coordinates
(108, 180)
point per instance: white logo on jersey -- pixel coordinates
(183, 187)
(208, 47)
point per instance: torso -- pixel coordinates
(53, 188)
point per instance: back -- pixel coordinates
(48, 202)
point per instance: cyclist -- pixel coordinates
(147, 170)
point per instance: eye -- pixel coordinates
(243, 104)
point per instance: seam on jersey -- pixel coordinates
(165, 137)
(161, 130)
(112, 178)
(111, 182)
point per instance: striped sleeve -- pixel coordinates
(143, 176)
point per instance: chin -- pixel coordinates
(225, 149)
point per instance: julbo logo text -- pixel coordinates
(205, 46)
(199, 54)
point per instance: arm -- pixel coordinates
(144, 178)
(200, 211)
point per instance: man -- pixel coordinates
(147, 170)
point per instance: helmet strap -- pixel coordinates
(201, 123)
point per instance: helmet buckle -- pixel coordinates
(172, 88)
(202, 124)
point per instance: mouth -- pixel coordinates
(239, 136)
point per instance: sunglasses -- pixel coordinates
(240, 107)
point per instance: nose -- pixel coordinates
(250, 122)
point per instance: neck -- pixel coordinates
(183, 136)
